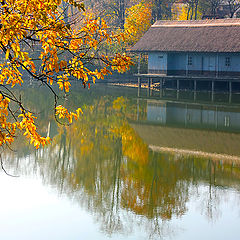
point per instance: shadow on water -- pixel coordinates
(120, 160)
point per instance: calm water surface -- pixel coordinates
(135, 166)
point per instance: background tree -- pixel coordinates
(112, 10)
(138, 21)
(162, 9)
(192, 12)
(209, 8)
(234, 6)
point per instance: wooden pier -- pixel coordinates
(161, 80)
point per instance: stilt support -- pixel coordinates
(161, 88)
(195, 90)
(178, 85)
(195, 85)
(230, 87)
(230, 92)
(139, 86)
(213, 87)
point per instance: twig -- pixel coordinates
(1, 161)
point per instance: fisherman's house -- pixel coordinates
(193, 49)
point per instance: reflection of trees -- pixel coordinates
(103, 164)
(96, 158)
(156, 189)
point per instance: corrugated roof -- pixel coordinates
(219, 35)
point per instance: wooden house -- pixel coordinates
(209, 48)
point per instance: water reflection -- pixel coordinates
(104, 162)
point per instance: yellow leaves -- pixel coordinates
(37, 41)
(121, 63)
(180, 11)
(28, 125)
(4, 105)
(8, 129)
(64, 85)
(63, 113)
(137, 22)
(79, 5)
(33, 66)
(7, 53)
(16, 49)
(63, 65)
(10, 75)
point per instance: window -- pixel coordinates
(160, 57)
(227, 62)
(190, 60)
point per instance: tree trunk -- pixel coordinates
(196, 9)
(122, 13)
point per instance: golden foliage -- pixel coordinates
(138, 21)
(180, 11)
(36, 41)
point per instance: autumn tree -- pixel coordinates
(138, 20)
(37, 42)
(112, 10)
(192, 12)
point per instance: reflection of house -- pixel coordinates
(202, 48)
(189, 139)
(193, 115)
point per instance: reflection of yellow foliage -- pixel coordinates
(87, 148)
(133, 146)
(119, 103)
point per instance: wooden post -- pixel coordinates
(212, 91)
(139, 86)
(195, 90)
(149, 83)
(149, 86)
(195, 85)
(178, 84)
(161, 88)
(139, 78)
(230, 86)
(230, 98)
(139, 62)
(217, 70)
(230, 91)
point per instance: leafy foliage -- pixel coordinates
(37, 42)
(138, 20)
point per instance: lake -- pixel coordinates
(137, 165)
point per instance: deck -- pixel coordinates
(189, 77)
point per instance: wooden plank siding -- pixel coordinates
(202, 64)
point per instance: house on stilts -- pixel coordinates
(193, 50)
